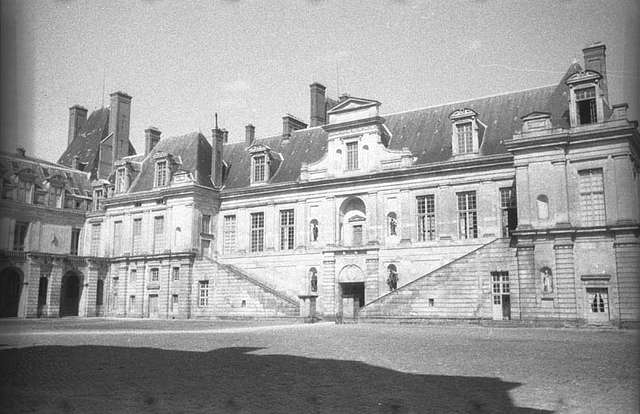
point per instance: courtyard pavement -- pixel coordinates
(113, 365)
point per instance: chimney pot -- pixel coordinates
(119, 120)
(318, 108)
(250, 134)
(77, 121)
(217, 163)
(151, 138)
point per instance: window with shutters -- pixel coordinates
(136, 236)
(467, 215)
(75, 241)
(257, 232)
(259, 168)
(158, 234)
(287, 230)
(117, 238)
(229, 234)
(426, 210)
(592, 210)
(95, 239)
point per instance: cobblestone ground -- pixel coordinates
(106, 365)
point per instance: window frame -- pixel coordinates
(351, 159)
(229, 233)
(75, 241)
(203, 293)
(426, 217)
(592, 202)
(467, 215)
(464, 136)
(259, 169)
(161, 173)
(257, 232)
(287, 229)
(20, 231)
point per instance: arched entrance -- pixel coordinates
(70, 294)
(351, 291)
(353, 218)
(10, 290)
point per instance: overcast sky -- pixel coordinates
(252, 62)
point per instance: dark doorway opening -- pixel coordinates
(352, 299)
(42, 295)
(10, 289)
(70, 295)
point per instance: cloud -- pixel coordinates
(238, 85)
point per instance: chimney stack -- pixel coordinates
(225, 135)
(151, 138)
(250, 134)
(119, 117)
(77, 121)
(217, 165)
(290, 124)
(318, 104)
(595, 59)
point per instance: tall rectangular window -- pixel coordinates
(203, 293)
(586, 102)
(591, 184)
(465, 138)
(120, 180)
(117, 238)
(24, 191)
(174, 303)
(20, 235)
(257, 232)
(175, 273)
(259, 167)
(508, 210)
(161, 174)
(352, 156)
(100, 292)
(426, 217)
(229, 234)
(95, 239)
(75, 241)
(158, 234)
(467, 215)
(287, 230)
(136, 236)
(205, 224)
(155, 275)
(98, 196)
(133, 275)
(132, 303)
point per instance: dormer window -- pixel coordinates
(586, 105)
(465, 138)
(98, 196)
(259, 168)
(466, 132)
(162, 174)
(120, 180)
(352, 156)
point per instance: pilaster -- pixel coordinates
(568, 305)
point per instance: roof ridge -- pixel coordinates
(35, 160)
(472, 99)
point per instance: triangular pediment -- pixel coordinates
(257, 148)
(353, 104)
(584, 76)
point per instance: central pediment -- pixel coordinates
(352, 109)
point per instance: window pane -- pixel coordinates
(229, 230)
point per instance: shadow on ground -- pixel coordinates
(230, 380)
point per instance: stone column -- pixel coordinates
(372, 218)
(568, 305)
(526, 278)
(371, 287)
(328, 285)
(627, 251)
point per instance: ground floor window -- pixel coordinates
(174, 303)
(99, 292)
(203, 293)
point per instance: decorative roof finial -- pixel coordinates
(216, 118)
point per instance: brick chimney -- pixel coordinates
(77, 121)
(217, 165)
(151, 138)
(318, 104)
(119, 117)
(250, 134)
(225, 135)
(290, 124)
(595, 59)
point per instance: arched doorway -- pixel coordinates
(70, 294)
(353, 217)
(351, 291)
(10, 290)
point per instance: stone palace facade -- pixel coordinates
(521, 206)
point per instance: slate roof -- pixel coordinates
(87, 144)
(191, 149)
(11, 164)
(425, 132)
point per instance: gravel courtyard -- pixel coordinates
(109, 365)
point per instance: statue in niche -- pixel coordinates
(547, 280)
(392, 279)
(314, 230)
(314, 279)
(393, 225)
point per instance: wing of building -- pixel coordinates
(518, 206)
